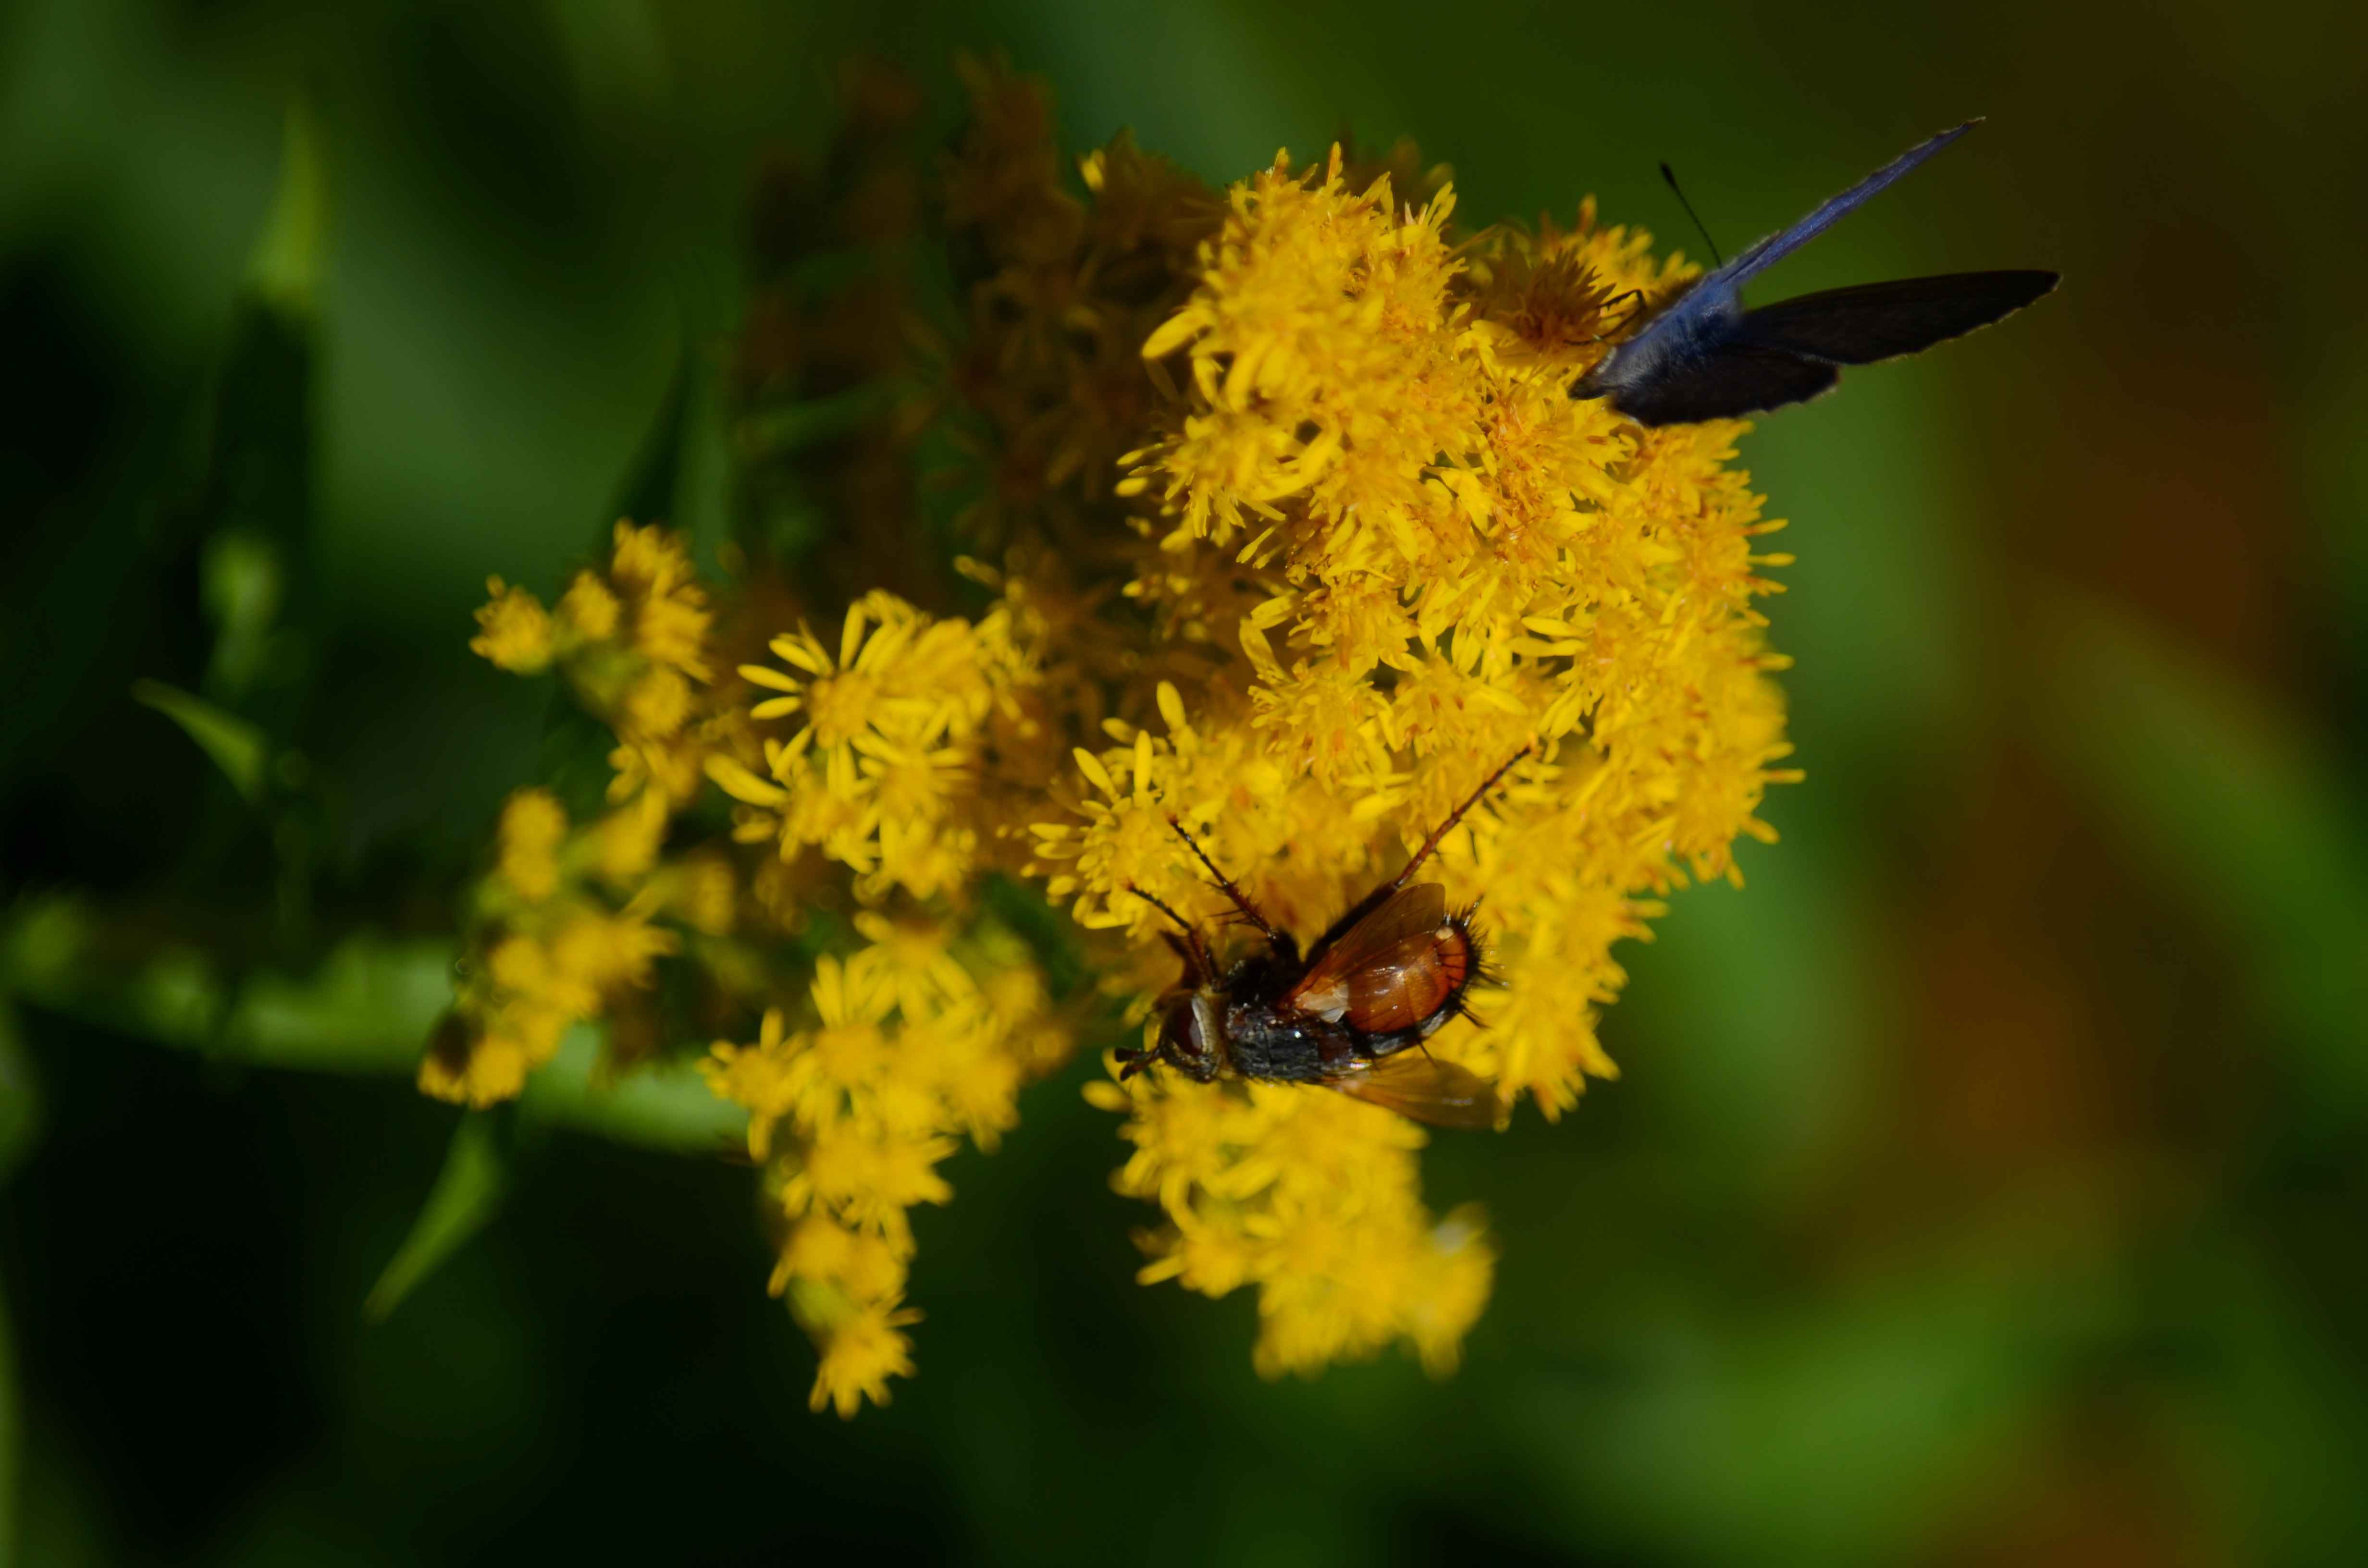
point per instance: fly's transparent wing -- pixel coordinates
(1422, 1087)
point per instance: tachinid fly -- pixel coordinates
(1705, 357)
(1352, 1014)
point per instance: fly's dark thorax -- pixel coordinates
(1267, 1042)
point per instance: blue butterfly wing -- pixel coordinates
(1883, 321)
(1733, 380)
(1701, 358)
(1767, 253)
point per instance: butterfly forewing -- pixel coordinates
(1420, 1086)
(1833, 210)
(1881, 321)
(1732, 380)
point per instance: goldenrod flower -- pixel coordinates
(660, 599)
(880, 772)
(533, 824)
(588, 610)
(569, 922)
(1382, 552)
(622, 848)
(862, 1347)
(906, 1053)
(516, 631)
(1285, 530)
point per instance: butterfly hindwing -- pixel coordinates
(1883, 321)
(1733, 380)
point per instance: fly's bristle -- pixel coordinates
(1484, 970)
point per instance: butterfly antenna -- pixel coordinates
(1699, 227)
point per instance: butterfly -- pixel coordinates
(1705, 357)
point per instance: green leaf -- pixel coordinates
(665, 1105)
(285, 270)
(241, 582)
(59, 951)
(45, 946)
(176, 998)
(238, 747)
(468, 1192)
(368, 1006)
(365, 1009)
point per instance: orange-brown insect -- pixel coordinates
(1350, 1016)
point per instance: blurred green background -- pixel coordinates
(1987, 1182)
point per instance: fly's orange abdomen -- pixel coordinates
(1409, 989)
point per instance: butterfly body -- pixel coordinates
(1703, 356)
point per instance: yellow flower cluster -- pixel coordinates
(897, 743)
(1452, 559)
(566, 929)
(556, 951)
(1312, 1198)
(1375, 550)
(1286, 531)
(902, 742)
(632, 641)
(910, 1051)
(883, 772)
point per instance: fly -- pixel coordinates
(1353, 1013)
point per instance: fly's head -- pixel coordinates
(1191, 1037)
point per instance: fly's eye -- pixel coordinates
(1188, 1039)
(1205, 1038)
(1181, 1040)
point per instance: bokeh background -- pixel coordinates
(1986, 1185)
